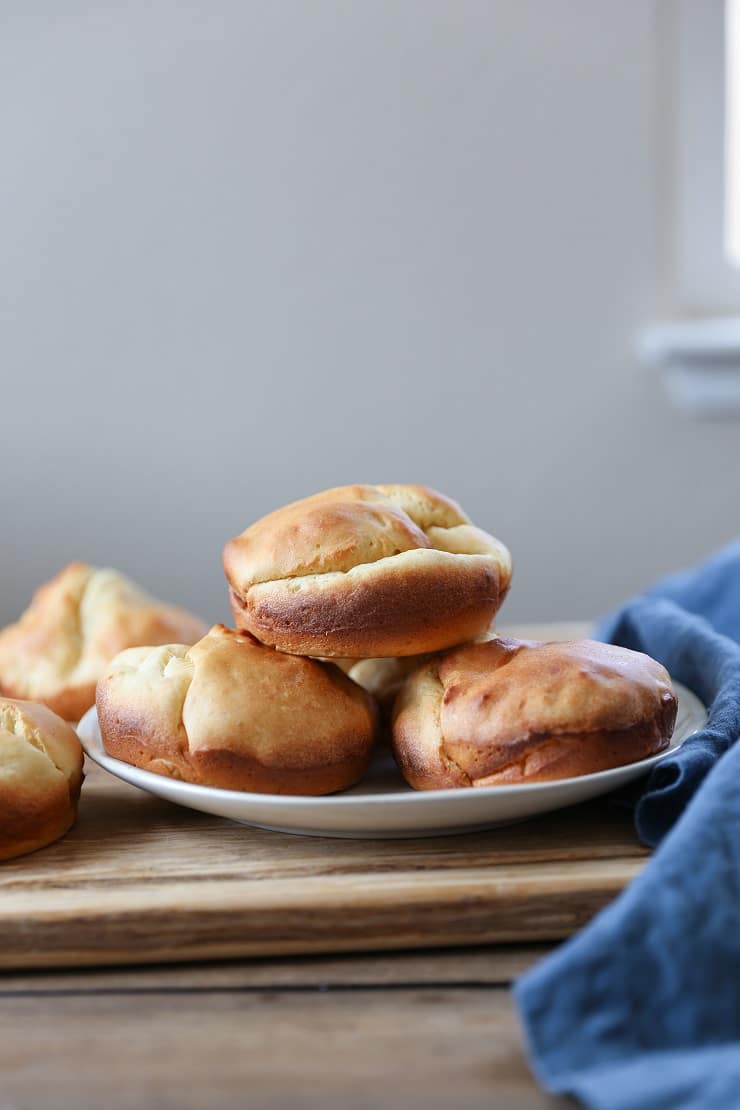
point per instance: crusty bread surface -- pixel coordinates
(233, 713)
(512, 711)
(72, 629)
(366, 571)
(40, 777)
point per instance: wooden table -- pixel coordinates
(431, 1027)
(410, 1030)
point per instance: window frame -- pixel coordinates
(706, 282)
(698, 351)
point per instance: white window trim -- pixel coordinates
(708, 284)
(700, 351)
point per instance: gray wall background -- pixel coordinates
(250, 250)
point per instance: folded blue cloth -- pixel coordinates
(711, 590)
(641, 1010)
(709, 664)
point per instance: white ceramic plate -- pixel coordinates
(383, 805)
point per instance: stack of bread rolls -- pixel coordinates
(359, 572)
(359, 605)
(369, 598)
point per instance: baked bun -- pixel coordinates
(40, 777)
(233, 713)
(74, 626)
(514, 711)
(365, 572)
(382, 678)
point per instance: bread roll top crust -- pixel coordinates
(514, 689)
(337, 530)
(29, 731)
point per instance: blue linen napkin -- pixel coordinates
(641, 1010)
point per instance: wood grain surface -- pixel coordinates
(139, 880)
(455, 967)
(431, 1047)
(433, 1029)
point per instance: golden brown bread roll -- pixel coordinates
(74, 626)
(513, 711)
(366, 571)
(233, 713)
(40, 777)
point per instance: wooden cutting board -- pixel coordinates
(139, 880)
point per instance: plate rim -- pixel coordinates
(95, 751)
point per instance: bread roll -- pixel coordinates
(365, 572)
(232, 713)
(513, 711)
(40, 777)
(74, 626)
(382, 678)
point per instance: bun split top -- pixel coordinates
(512, 711)
(232, 713)
(366, 571)
(74, 626)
